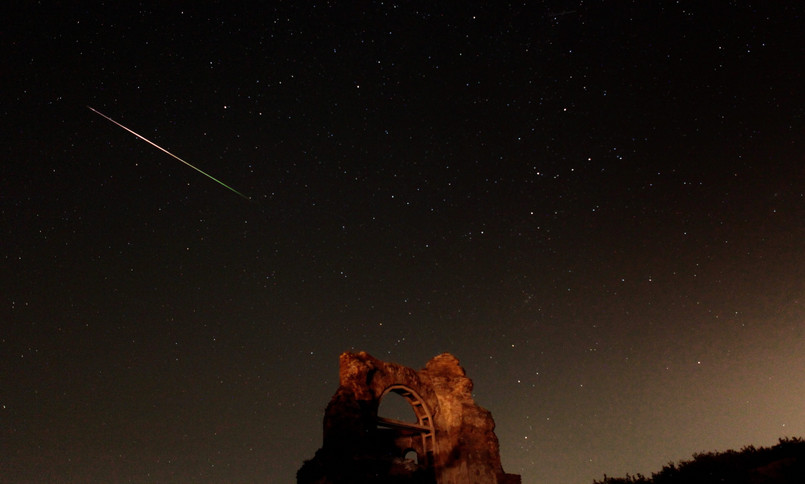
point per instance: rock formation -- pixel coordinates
(452, 441)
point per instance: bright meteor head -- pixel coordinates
(168, 152)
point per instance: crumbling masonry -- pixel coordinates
(452, 441)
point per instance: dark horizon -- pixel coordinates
(597, 208)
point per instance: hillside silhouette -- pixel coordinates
(783, 463)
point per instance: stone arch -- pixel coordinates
(418, 436)
(452, 436)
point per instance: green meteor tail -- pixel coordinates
(168, 152)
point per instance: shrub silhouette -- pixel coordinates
(783, 463)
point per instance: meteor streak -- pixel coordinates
(166, 151)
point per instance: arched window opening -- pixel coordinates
(396, 407)
(411, 455)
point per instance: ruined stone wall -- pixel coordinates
(454, 436)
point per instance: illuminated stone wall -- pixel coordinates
(453, 437)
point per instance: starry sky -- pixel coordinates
(598, 207)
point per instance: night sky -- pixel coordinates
(598, 207)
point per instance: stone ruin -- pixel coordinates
(452, 440)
